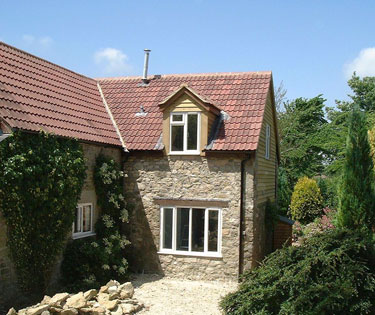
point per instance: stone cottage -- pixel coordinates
(200, 153)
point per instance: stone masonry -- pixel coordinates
(193, 177)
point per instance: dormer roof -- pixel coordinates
(184, 89)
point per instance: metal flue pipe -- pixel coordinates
(145, 67)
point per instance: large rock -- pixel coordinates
(76, 301)
(102, 298)
(117, 310)
(128, 308)
(69, 311)
(46, 300)
(103, 289)
(58, 298)
(112, 283)
(90, 294)
(109, 305)
(37, 310)
(98, 311)
(12, 311)
(112, 289)
(126, 290)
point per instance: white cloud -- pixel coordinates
(113, 60)
(28, 39)
(363, 64)
(43, 41)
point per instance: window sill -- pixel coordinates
(78, 236)
(191, 254)
(184, 153)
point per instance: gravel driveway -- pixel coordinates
(167, 296)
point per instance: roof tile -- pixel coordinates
(36, 94)
(241, 95)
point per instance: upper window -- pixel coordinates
(268, 141)
(190, 231)
(184, 133)
(83, 222)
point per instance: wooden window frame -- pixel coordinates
(184, 123)
(189, 252)
(76, 235)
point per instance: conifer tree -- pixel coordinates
(356, 191)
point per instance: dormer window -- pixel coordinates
(184, 132)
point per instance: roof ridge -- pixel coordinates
(186, 74)
(45, 60)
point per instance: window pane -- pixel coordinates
(213, 228)
(177, 138)
(192, 132)
(177, 117)
(77, 222)
(167, 229)
(197, 238)
(86, 218)
(182, 229)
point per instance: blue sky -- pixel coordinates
(311, 46)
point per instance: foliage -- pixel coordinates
(319, 225)
(331, 273)
(284, 191)
(92, 262)
(41, 179)
(356, 194)
(301, 146)
(364, 92)
(306, 204)
(371, 139)
(328, 189)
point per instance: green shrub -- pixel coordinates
(284, 191)
(92, 262)
(331, 273)
(328, 188)
(306, 204)
(41, 180)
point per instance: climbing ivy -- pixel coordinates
(41, 178)
(92, 262)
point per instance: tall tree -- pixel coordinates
(302, 152)
(280, 97)
(336, 131)
(364, 92)
(356, 192)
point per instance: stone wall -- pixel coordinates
(7, 274)
(191, 177)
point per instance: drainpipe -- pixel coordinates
(242, 215)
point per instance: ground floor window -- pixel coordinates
(190, 231)
(83, 222)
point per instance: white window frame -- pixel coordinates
(184, 123)
(189, 252)
(268, 142)
(87, 233)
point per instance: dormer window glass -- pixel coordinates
(184, 133)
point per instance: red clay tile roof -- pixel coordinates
(241, 95)
(36, 94)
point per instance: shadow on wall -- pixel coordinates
(141, 254)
